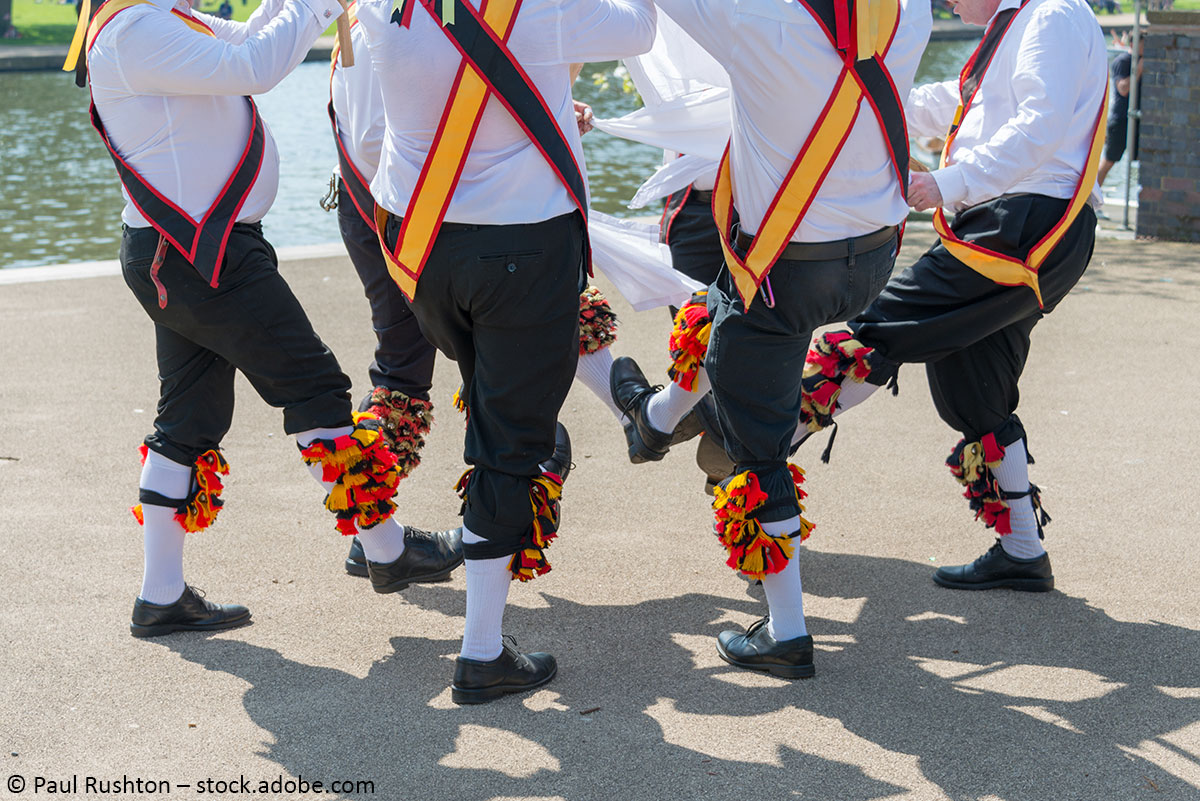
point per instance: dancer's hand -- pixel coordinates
(923, 192)
(583, 117)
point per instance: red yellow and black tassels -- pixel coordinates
(972, 464)
(597, 321)
(751, 549)
(688, 344)
(460, 402)
(833, 358)
(545, 493)
(363, 471)
(405, 422)
(199, 510)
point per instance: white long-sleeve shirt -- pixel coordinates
(358, 105)
(505, 179)
(1030, 126)
(172, 101)
(782, 69)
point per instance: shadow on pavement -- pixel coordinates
(944, 695)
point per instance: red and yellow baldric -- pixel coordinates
(862, 32)
(488, 69)
(201, 242)
(356, 185)
(1000, 268)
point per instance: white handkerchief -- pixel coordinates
(639, 266)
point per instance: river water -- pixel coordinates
(61, 201)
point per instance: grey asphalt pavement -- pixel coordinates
(1091, 692)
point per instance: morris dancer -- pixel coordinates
(167, 90)
(402, 372)
(482, 212)
(1026, 126)
(823, 224)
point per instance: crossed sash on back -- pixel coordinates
(202, 242)
(488, 69)
(862, 32)
(1000, 268)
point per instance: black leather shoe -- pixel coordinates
(758, 650)
(192, 612)
(560, 463)
(428, 556)
(356, 562)
(478, 682)
(997, 570)
(631, 392)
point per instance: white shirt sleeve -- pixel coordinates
(236, 32)
(930, 108)
(1046, 83)
(709, 22)
(604, 30)
(171, 59)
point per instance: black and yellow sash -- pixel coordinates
(201, 242)
(1000, 268)
(862, 32)
(488, 68)
(352, 178)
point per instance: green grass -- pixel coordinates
(47, 22)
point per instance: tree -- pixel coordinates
(5, 16)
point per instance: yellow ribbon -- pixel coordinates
(85, 17)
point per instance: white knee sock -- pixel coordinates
(785, 598)
(852, 394)
(667, 408)
(383, 542)
(1013, 476)
(162, 535)
(592, 371)
(487, 593)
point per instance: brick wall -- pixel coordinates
(1169, 203)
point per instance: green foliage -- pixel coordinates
(49, 22)
(617, 76)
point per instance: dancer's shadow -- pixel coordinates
(919, 690)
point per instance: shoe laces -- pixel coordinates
(200, 596)
(756, 625)
(997, 545)
(635, 399)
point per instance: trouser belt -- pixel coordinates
(827, 251)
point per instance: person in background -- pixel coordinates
(1117, 132)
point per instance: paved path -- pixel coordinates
(1091, 692)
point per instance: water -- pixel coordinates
(61, 201)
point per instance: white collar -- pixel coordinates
(1004, 6)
